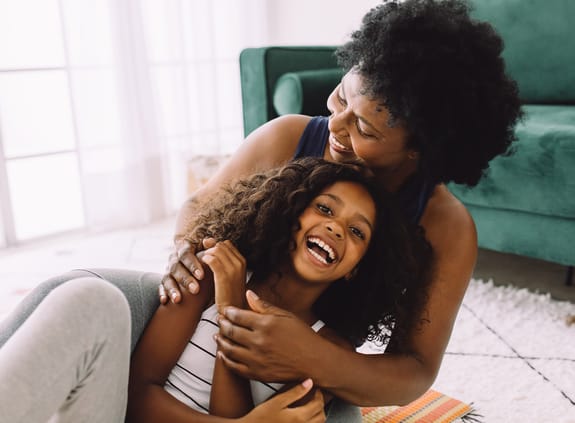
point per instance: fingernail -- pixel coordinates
(174, 296)
(308, 383)
(252, 294)
(197, 273)
(193, 287)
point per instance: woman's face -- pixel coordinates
(334, 234)
(359, 129)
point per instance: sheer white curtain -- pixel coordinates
(104, 102)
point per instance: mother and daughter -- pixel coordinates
(425, 101)
(317, 238)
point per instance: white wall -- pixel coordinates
(314, 22)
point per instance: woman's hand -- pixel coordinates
(184, 271)
(260, 345)
(278, 410)
(229, 269)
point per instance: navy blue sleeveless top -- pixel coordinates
(413, 195)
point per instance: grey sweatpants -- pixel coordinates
(69, 361)
(141, 292)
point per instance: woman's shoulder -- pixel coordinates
(447, 222)
(275, 142)
(272, 144)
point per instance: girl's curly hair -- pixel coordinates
(441, 74)
(260, 214)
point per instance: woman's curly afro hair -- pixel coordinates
(260, 214)
(441, 74)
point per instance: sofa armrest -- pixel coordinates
(305, 92)
(260, 68)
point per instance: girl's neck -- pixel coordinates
(290, 294)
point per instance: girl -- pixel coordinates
(313, 235)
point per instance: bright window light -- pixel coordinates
(30, 34)
(35, 113)
(46, 195)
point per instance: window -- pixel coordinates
(103, 103)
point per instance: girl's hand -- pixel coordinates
(278, 410)
(229, 269)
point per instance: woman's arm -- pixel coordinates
(231, 394)
(272, 144)
(260, 344)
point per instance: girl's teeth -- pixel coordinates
(325, 247)
(317, 256)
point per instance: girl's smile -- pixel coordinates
(334, 234)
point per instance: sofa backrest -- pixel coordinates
(539, 38)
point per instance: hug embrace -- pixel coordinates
(281, 299)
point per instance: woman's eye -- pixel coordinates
(357, 232)
(341, 100)
(360, 131)
(324, 209)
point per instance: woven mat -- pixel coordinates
(432, 407)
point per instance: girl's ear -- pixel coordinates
(413, 154)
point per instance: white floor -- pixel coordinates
(512, 353)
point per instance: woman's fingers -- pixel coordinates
(169, 287)
(187, 257)
(237, 334)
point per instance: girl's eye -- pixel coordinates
(324, 209)
(357, 232)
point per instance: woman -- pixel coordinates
(425, 101)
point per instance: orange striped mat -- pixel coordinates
(432, 407)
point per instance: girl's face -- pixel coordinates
(359, 129)
(336, 228)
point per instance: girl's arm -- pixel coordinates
(156, 354)
(260, 346)
(231, 393)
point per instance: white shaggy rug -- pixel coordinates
(512, 354)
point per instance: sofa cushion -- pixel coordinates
(539, 38)
(540, 176)
(314, 85)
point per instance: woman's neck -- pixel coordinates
(393, 179)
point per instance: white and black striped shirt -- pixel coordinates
(190, 381)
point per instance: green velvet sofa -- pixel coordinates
(525, 204)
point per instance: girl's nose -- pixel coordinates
(335, 229)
